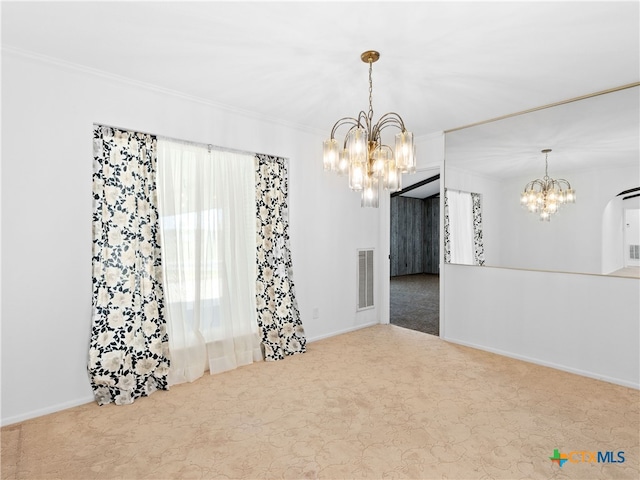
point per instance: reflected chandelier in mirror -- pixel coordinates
(546, 195)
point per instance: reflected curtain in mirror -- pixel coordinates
(463, 243)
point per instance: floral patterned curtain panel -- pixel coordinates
(129, 349)
(447, 229)
(478, 243)
(278, 315)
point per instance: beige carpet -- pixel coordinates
(382, 402)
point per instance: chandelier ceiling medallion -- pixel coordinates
(363, 157)
(545, 195)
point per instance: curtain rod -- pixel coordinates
(191, 142)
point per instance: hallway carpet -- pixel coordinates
(415, 302)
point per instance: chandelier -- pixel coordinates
(545, 196)
(363, 157)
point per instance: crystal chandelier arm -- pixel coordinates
(344, 121)
(561, 181)
(392, 117)
(388, 120)
(361, 121)
(539, 183)
(365, 121)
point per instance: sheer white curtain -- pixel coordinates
(207, 217)
(461, 227)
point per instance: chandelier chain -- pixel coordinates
(370, 91)
(546, 166)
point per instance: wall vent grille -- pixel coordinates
(365, 279)
(634, 252)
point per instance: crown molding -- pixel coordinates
(76, 67)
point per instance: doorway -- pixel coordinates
(414, 286)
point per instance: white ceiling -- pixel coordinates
(443, 64)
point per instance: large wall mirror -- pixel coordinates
(595, 146)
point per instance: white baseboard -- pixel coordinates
(46, 411)
(564, 368)
(340, 332)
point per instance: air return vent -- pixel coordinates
(365, 279)
(634, 252)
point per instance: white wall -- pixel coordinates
(430, 151)
(585, 324)
(47, 115)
